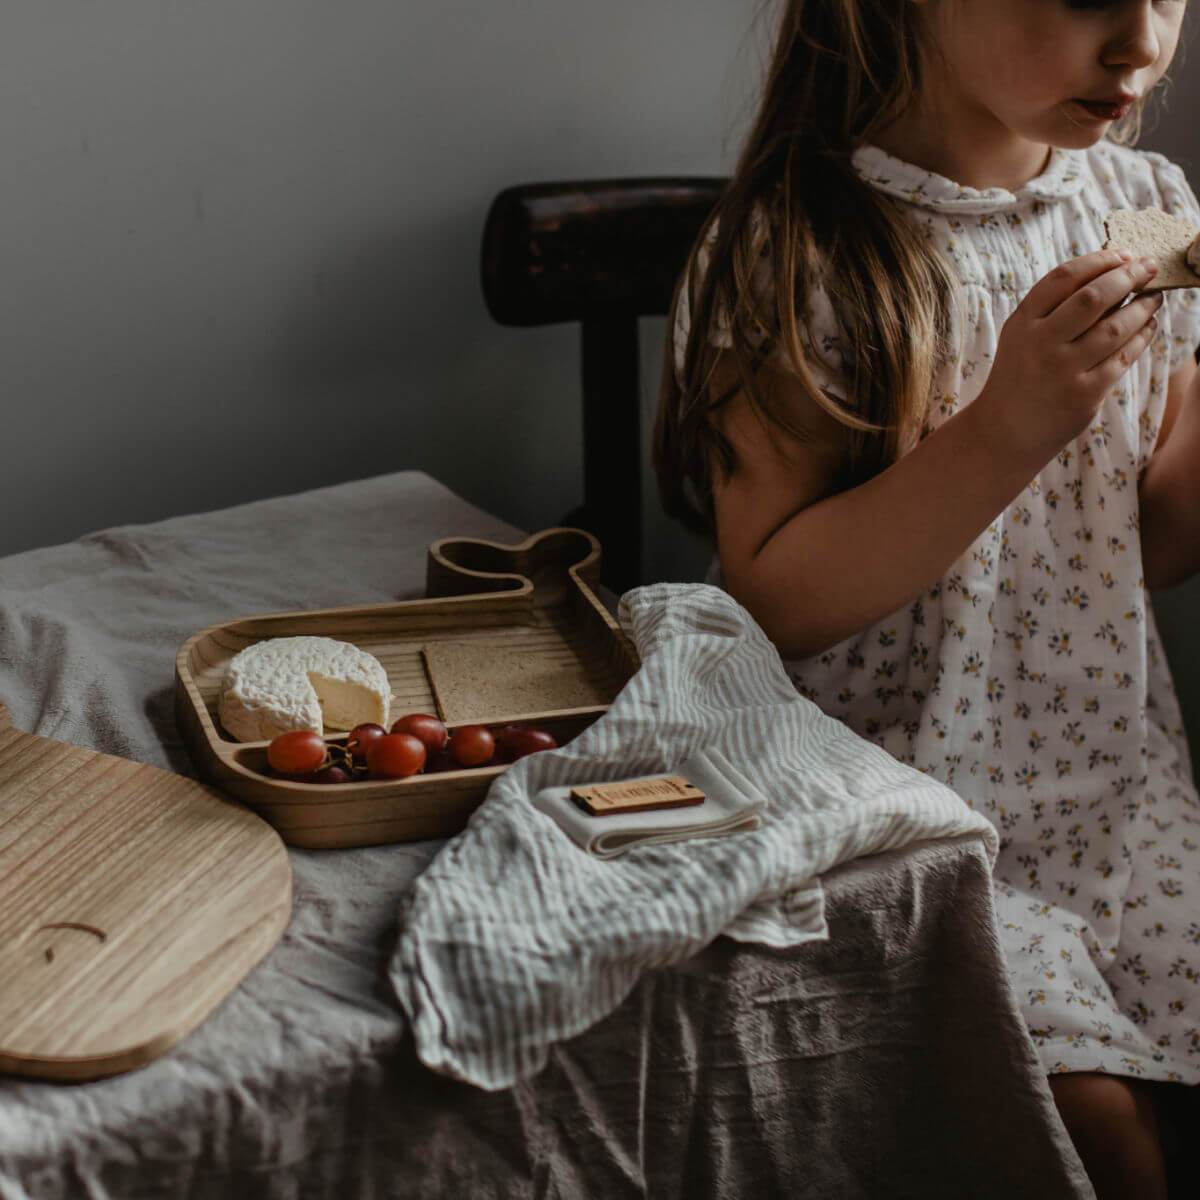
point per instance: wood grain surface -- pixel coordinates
(132, 901)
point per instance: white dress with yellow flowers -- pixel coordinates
(1031, 678)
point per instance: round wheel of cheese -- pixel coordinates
(317, 683)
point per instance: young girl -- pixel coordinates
(942, 455)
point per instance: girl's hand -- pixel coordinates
(1064, 348)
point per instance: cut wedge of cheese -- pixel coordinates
(289, 683)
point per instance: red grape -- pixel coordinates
(332, 775)
(440, 762)
(395, 756)
(361, 739)
(502, 735)
(296, 753)
(520, 742)
(471, 745)
(425, 728)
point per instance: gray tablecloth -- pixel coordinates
(889, 1061)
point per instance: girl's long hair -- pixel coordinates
(840, 71)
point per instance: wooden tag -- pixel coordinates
(636, 795)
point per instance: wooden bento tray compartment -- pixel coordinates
(535, 597)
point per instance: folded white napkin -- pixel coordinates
(731, 804)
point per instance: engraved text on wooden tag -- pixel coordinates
(636, 795)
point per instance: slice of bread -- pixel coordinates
(1151, 233)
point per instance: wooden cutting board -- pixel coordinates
(132, 901)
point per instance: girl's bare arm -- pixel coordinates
(813, 567)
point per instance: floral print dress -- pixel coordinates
(1030, 678)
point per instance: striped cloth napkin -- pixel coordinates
(512, 940)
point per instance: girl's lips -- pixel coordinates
(1106, 112)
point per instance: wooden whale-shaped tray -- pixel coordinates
(493, 602)
(132, 901)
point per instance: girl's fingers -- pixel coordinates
(1110, 368)
(1110, 334)
(1065, 280)
(1089, 307)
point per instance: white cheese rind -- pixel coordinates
(276, 686)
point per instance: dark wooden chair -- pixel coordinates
(602, 253)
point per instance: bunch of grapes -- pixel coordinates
(416, 744)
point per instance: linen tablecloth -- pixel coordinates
(887, 1061)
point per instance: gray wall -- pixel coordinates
(240, 240)
(240, 245)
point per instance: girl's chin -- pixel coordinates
(1084, 138)
(1076, 129)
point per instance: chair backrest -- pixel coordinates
(603, 253)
